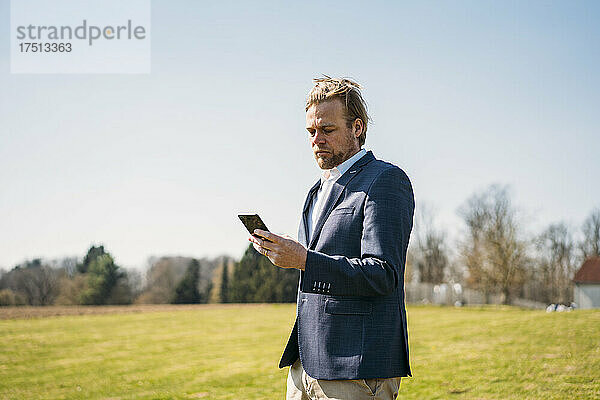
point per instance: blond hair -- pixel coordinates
(327, 88)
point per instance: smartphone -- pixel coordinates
(252, 222)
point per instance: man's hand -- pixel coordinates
(283, 251)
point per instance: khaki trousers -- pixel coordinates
(300, 386)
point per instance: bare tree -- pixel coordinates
(493, 250)
(472, 249)
(37, 283)
(410, 276)
(71, 289)
(430, 257)
(557, 264)
(590, 245)
(161, 278)
(66, 264)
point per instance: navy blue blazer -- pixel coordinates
(350, 316)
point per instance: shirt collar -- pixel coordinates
(338, 171)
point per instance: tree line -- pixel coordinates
(97, 280)
(494, 254)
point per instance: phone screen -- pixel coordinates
(252, 222)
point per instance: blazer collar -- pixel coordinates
(367, 158)
(353, 169)
(336, 191)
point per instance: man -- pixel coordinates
(350, 338)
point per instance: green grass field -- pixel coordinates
(231, 352)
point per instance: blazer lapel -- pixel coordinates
(336, 191)
(303, 232)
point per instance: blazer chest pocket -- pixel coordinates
(347, 307)
(343, 210)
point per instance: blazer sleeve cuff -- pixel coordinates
(316, 276)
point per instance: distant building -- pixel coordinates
(587, 284)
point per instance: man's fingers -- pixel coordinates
(255, 239)
(267, 235)
(263, 244)
(264, 251)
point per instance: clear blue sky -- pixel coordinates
(463, 94)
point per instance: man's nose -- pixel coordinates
(318, 138)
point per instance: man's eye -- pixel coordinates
(311, 132)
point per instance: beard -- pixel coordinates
(330, 160)
(334, 158)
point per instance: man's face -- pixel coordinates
(332, 141)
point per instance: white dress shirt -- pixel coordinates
(328, 178)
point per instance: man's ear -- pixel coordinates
(358, 127)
